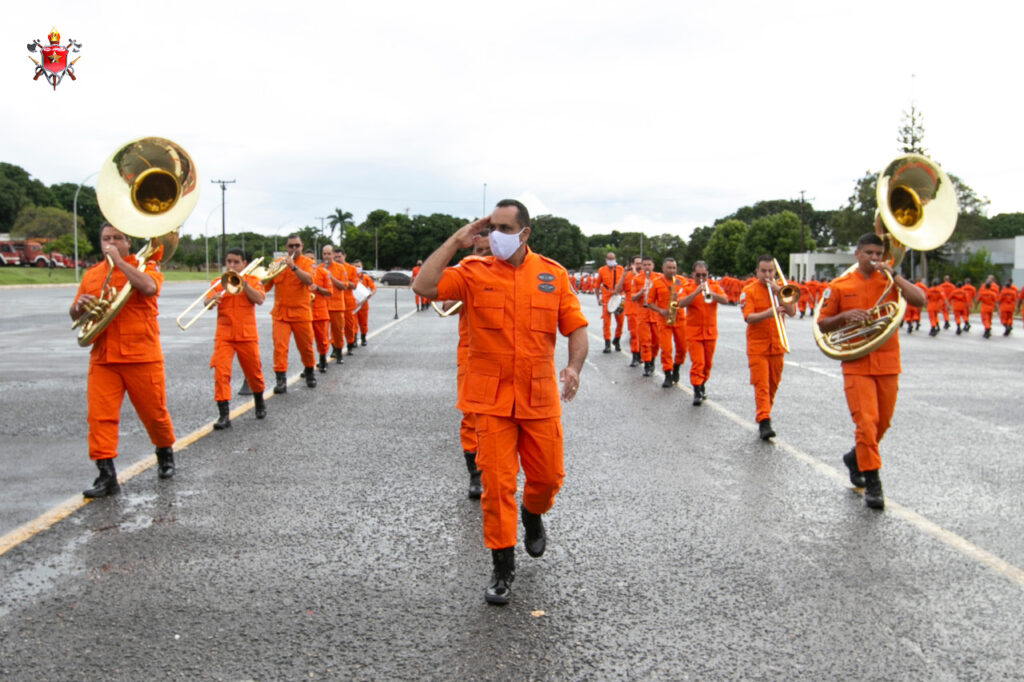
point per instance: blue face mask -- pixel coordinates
(504, 245)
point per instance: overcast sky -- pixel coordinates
(653, 116)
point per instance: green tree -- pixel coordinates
(340, 221)
(911, 132)
(723, 247)
(47, 222)
(694, 250)
(89, 215)
(1005, 225)
(778, 235)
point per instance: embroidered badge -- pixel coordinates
(546, 277)
(548, 288)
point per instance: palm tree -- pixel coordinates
(341, 221)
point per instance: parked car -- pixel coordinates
(397, 278)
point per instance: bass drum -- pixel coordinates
(614, 305)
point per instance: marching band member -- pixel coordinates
(972, 294)
(988, 294)
(664, 291)
(516, 301)
(1008, 296)
(647, 325)
(323, 292)
(959, 300)
(701, 300)
(236, 335)
(913, 314)
(870, 382)
(125, 358)
(338, 277)
(351, 279)
(936, 301)
(609, 276)
(291, 314)
(632, 309)
(421, 303)
(765, 352)
(947, 290)
(363, 314)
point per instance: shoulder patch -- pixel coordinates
(825, 296)
(551, 261)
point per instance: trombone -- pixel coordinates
(788, 295)
(445, 313)
(231, 282)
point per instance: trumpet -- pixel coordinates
(705, 292)
(231, 282)
(788, 295)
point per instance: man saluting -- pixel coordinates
(516, 302)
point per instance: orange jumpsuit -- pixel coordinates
(1007, 305)
(972, 294)
(913, 313)
(936, 302)
(336, 307)
(236, 335)
(947, 290)
(292, 315)
(513, 315)
(467, 427)
(420, 301)
(632, 310)
(350, 303)
(608, 278)
(958, 299)
(646, 324)
(668, 335)
(988, 294)
(701, 331)
(870, 382)
(764, 348)
(319, 306)
(363, 314)
(126, 357)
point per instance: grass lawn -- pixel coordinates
(19, 275)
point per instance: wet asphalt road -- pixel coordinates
(334, 540)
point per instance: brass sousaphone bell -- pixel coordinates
(917, 209)
(146, 188)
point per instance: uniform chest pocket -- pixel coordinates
(489, 309)
(544, 313)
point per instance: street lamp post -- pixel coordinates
(223, 202)
(74, 211)
(206, 239)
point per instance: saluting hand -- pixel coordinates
(570, 383)
(467, 235)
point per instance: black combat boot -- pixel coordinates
(765, 430)
(873, 490)
(675, 374)
(607, 346)
(165, 462)
(987, 334)
(1008, 330)
(636, 360)
(499, 590)
(698, 396)
(910, 327)
(917, 326)
(850, 460)
(106, 483)
(946, 325)
(322, 366)
(667, 383)
(224, 409)
(282, 382)
(648, 368)
(615, 342)
(261, 407)
(310, 377)
(475, 489)
(337, 356)
(967, 327)
(536, 540)
(362, 339)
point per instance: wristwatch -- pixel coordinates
(294, 268)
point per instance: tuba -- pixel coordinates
(917, 209)
(146, 188)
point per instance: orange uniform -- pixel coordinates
(363, 314)
(959, 301)
(631, 309)
(467, 427)
(647, 325)
(764, 348)
(936, 302)
(126, 357)
(336, 308)
(320, 308)
(701, 331)
(607, 278)
(420, 301)
(947, 291)
(1007, 305)
(236, 335)
(972, 295)
(513, 315)
(870, 382)
(352, 277)
(988, 294)
(913, 314)
(292, 315)
(661, 293)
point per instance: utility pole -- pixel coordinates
(483, 206)
(316, 242)
(223, 230)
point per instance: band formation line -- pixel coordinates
(511, 304)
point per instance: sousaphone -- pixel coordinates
(917, 209)
(146, 188)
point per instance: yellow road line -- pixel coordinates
(69, 506)
(947, 537)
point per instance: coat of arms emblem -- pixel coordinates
(54, 59)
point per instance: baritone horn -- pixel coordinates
(231, 282)
(266, 273)
(146, 188)
(917, 209)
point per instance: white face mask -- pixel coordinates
(359, 271)
(504, 245)
(610, 263)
